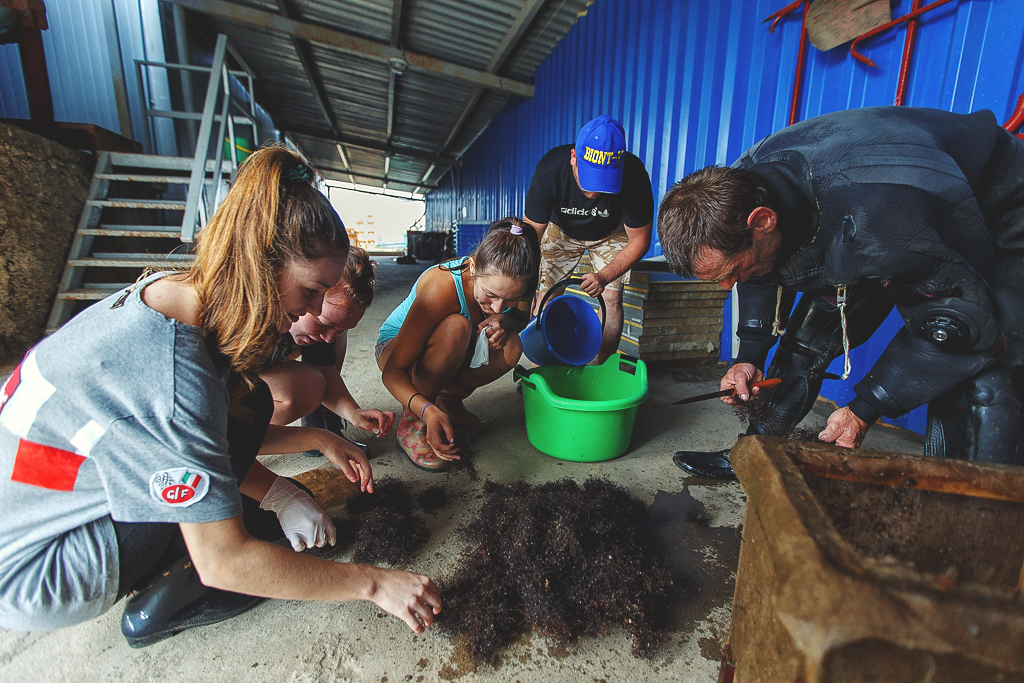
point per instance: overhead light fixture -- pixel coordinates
(398, 65)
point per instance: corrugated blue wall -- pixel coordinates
(79, 66)
(79, 45)
(696, 83)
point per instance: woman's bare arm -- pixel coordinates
(227, 558)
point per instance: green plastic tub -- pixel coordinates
(583, 414)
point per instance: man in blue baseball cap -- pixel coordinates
(593, 196)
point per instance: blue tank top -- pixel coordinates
(389, 330)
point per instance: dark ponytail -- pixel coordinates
(510, 248)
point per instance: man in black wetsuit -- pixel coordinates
(862, 210)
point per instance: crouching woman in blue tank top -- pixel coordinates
(454, 333)
(130, 436)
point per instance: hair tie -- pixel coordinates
(299, 174)
(516, 230)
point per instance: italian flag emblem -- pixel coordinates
(191, 479)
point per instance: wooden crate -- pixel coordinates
(860, 566)
(667, 318)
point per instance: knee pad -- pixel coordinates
(981, 420)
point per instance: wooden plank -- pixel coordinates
(666, 331)
(690, 318)
(651, 357)
(667, 309)
(945, 476)
(677, 346)
(687, 295)
(329, 486)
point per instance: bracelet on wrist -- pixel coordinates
(408, 405)
(424, 409)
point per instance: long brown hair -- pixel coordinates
(272, 214)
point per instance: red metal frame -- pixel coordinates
(1017, 118)
(776, 17)
(908, 49)
(910, 19)
(906, 18)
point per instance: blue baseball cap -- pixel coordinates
(600, 155)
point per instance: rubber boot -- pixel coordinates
(175, 601)
(707, 464)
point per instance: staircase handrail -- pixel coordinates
(198, 176)
(197, 188)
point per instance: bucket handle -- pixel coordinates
(628, 363)
(523, 374)
(563, 283)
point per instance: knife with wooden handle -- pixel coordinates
(763, 384)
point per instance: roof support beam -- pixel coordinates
(338, 40)
(396, 25)
(409, 183)
(396, 22)
(374, 145)
(312, 75)
(519, 25)
(344, 160)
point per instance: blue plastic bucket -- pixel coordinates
(566, 332)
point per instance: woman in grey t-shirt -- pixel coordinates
(131, 435)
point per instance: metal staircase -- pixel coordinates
(132, 219)
(144, 209)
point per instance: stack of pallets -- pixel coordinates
(668, 318)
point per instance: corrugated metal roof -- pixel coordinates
(466, 60)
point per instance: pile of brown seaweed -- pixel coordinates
(558, 559)
(383, 526)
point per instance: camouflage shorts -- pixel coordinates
(560, 253)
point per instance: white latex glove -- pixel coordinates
(305, 524)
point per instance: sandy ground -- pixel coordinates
(294, 641)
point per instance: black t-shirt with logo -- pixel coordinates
(555, 196)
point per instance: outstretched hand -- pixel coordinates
(844, 429)
(378, 422)
(739, 377)
(303, 521)
(413, 598)
(350, 458)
